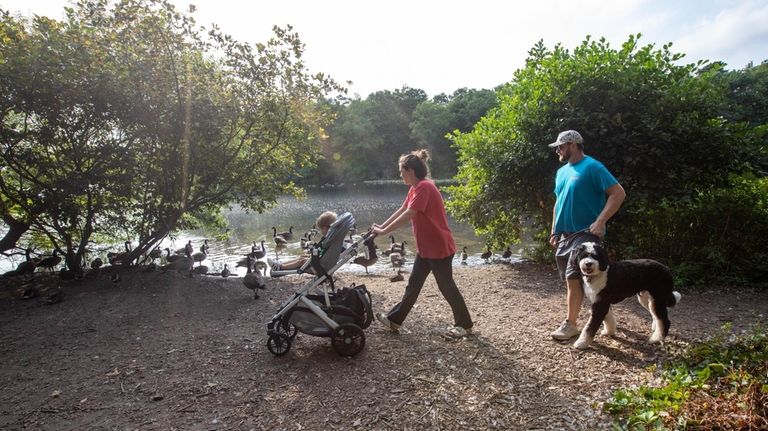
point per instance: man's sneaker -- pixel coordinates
(459, 332)
(566, 331)
(382, 318)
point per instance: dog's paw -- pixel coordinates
(608, 332)
(581, 344)
(656, 338)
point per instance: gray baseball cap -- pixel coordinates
(566, 137)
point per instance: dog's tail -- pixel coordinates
(674, 298)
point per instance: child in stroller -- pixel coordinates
(340, 314)
(323, 222)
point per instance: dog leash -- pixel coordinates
(569, 236)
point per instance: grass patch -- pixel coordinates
(718, 384)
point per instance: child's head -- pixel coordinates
(325, 221)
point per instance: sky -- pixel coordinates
(444, 45)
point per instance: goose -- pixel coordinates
(200, 270)
(398, 277)
(53, 297)
(66, 274)
(258, 253)
(287, 235)
(120, 258)
(370, 259)
(397, 260)
(261, 266)
(253, 279)
(486, 254)
(96, 263)
(200, 256)
(279, 238)
(392, 245)
(156, 253)
(182, 264)
(50, 262)
(464, 256)
(173, 257)
(507, 253)
(225, 272)
(188, 249)
(306, 240)
(28, 266)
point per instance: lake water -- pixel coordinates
(367, 203)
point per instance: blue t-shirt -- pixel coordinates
(580, 194)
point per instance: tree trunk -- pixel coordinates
(15, 231)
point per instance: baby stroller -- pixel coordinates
(341, 314)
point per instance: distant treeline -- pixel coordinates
(368, 135)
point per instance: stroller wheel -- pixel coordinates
(348, 339)
(287, 328)
(279, 344)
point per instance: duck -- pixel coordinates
(369, 259)
(486, 254)
(253, 280)
(464, 256)
(280, 240)
(50, 262)
(397, 277)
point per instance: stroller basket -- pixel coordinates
(348, 305)
(341, 314)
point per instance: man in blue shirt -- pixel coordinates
(587, 196)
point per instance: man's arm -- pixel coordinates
(616, 195)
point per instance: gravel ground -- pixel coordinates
(163, 351)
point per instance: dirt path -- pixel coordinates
(161, 351)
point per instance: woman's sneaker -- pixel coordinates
(566, 331)
(382, 318)
(459, 332)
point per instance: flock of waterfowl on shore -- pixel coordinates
(188, 261)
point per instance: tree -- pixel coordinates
(125, 120)
(434, 120)
(654, 123)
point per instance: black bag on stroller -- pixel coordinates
(348, 305)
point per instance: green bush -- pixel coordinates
(718, 384)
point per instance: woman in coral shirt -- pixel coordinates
(435, 247)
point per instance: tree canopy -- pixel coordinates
(656, 124)
(127, 120)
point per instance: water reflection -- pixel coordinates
(368, 204)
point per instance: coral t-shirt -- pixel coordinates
(434, 239)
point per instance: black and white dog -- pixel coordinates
(609, 283)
